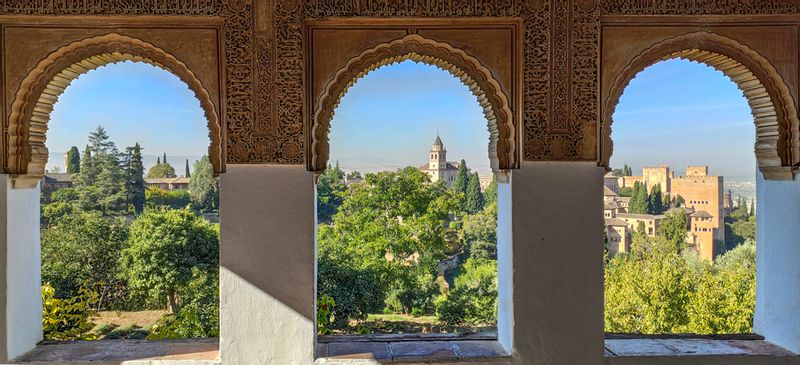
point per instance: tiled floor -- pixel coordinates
(206, 350)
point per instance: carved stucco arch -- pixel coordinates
(40, 89)
(478, 78)
(774, 111)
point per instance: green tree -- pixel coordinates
(82, 250)
(165, 157)
(639, 199)
(101, 183)
(473, 299)
(490, 194)
(161, 170)
(626, 191)
(73, 160)
(726, 294)
(162, 198)
(480, 233)
(165, 248)
(198, 316)
(673, 228)
(393, 224)
(753, 206)
(462, 178)
(330, 193)
(158, 160)
(203, 187)
(474, 196)
(186, 172)
(134, 178)
(655, 200)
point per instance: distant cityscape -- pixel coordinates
(700, 197)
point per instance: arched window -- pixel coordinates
(674, 116)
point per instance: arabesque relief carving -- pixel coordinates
(264, 70)
(39, 91)
(495, 104)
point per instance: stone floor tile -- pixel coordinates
(359, 350)
(465, 349)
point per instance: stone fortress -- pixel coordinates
(704, 205)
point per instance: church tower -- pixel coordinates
(438, 157)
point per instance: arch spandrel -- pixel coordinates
(774, 110)
(39, 91)
(496, 106)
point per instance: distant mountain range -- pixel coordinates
(57, 159)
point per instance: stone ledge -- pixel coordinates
(691, 347)
(410, 351)
(129, 352)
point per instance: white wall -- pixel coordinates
(21, 279)
(267, 265)
(505, 267)
(777, 314)
(558, 263)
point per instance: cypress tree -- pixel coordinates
(187, 173)
(73, 161)
(474, 197)
(639, 199)
(752, 207)
(158, 160)
(655, 203)
(165, 157)
(462, 178)
(134, 178)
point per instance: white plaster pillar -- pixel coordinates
(558, 263)
(505, 267)
(267, 265)
(777, 314)
(21, 274)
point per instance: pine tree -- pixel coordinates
(655, 203)
(134, 178)
(187, 173)
(474, 197)
(73, 161)
(101, 183)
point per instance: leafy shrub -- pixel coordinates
(325, 304)
(67, 319)
(82, 250)
(131, 332)
(356, 292)
(175, 199)
(198, 316)
(474, 297)
(413, 293)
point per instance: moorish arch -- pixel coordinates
(40, 89)
(502, 149)
(774, 111)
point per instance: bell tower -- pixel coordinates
(438, 155)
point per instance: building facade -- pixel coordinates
(703, 203)
(438, 168)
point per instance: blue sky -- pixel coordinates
(134, 102)
(675, 112)
(389, 119)
(682, 113)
